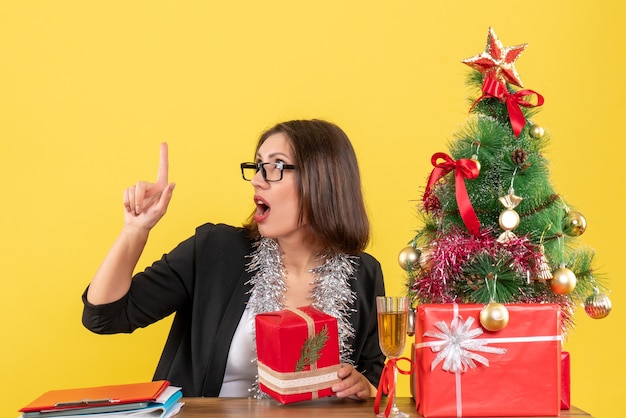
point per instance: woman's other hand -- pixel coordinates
(353, 384)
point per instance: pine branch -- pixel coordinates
(311, 349)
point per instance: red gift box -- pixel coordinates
(565, 380)
(298, 354)
(463, 370)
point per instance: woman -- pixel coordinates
(301, 246)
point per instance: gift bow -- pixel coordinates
(464, 168)
(496, 89)
(387, 384)
(457, 347)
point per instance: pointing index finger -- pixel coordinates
(163, 165)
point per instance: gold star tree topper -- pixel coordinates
(497, 62)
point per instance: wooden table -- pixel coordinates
(321, 408)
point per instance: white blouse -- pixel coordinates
(241, 366)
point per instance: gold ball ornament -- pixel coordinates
(598, 305)
(409, 258)
(575, 224)
(494, 316)
(508, 220)
(475, 159)
(537, 131)
(563, 281)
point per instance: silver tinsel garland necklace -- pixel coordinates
(331, 294)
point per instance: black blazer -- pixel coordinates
(203, 280)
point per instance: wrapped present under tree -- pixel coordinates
(463, 370)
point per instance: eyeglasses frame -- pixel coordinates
(260, 166)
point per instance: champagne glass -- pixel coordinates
(392, 321)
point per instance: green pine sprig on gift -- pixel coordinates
(311, 350)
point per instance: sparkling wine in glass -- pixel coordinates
(393, 312)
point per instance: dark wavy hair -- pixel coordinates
(329, 182)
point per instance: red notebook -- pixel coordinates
(64, 399)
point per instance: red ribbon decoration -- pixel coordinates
(513, 103)
(387, 383)
(492, 87)
(464, 169)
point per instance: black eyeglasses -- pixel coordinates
(269, 171)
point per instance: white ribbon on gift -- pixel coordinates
(458, 344)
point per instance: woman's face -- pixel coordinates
(277, 202)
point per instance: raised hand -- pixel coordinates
(146, 202)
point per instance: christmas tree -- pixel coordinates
(494, 229)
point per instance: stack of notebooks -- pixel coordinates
(138, 400)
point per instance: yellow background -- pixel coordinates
(88, 89)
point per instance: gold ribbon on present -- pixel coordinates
(292, 383)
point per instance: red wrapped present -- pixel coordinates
(565, 380)
(463, 370)
(412, 378)
(298, 354)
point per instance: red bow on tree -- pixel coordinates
(464, 168)
(492, 87)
